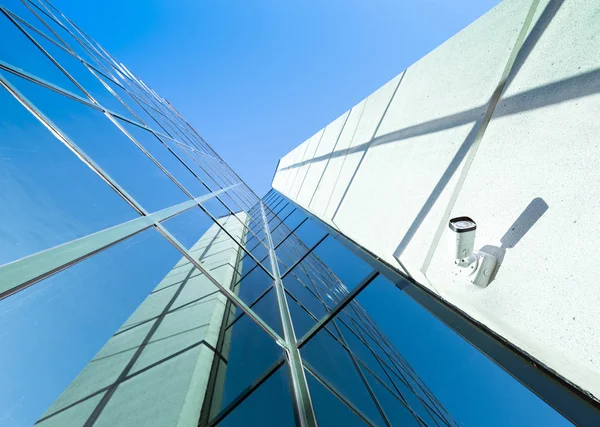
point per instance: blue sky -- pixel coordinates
(256, 78)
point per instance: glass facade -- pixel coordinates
(142, 282)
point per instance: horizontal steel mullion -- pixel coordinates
(247, 392)
(224, 290)
(339, 307)
(22, 273)
(337, 394)
(303, 257)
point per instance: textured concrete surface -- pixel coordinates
(415, 153)
(162, 382)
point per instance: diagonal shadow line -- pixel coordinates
(534, 37)
(311, 163)
(521, 55)
(366, 148)
(143, 322)
(125, 372)
(108, 356)
(135, 374)
(329, 156)
(437, 190)
(532, 99)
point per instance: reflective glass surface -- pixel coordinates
(100, 139)
(122, 319)
(53, 329)
(44, 204)
(269, 405)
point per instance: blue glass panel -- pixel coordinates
(270, 405)
(330, 360)
(48, 196)
(253, 285)
(22, 53)
(82, 75)
(301, 320)
(267, 309)
(293, 285)
(107, 145)
(250, 354)
(329, 410)
(395, 410)
(55, 327)
(458, 375)
(294, 219)
(166, 158)
(350, 269)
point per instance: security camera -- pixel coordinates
(476, 265)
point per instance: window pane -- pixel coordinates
(253, 285)
(22, 53)
(55, 327)
(267, 309)
(107, 145)
(395, 410)
(329, 410)
(301, 320)
(344, 265)
(47, 195)
(269, 405)
(249, 352)
(330, 360)
(166, 158)
(304, 294)
(453, 370)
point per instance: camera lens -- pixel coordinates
(464, 224)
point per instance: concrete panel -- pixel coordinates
(159, 360)
(531, 185)
(310, 148)
(370, 119)
(318, 161)
(540, 157)
(335, 161)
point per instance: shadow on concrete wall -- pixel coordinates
(532, 213)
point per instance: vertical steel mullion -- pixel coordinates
(303, 403)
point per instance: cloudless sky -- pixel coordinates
(256, 78)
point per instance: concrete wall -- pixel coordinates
(391, 171)
(158, 363)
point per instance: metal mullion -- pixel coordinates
(245, 393)
(47, 54)
(339, 307)
(398, 394)
(71, 145)
(227, 292)
(27, 271)
(29, 6)
(565, 397)
(338, 395)
(303, 404)
(256, 301)
(317, 297)
(303, 257)
(50, 16)
(354, 358)
(404, 370)
(346, 347)
(108, 115)
(241, 245)
(265, 257)
(282, 220)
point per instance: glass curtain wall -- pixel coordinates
(109, 199)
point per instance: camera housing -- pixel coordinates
(476, 265)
